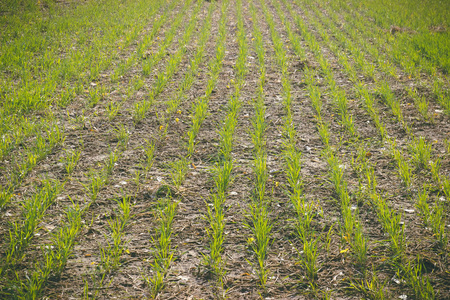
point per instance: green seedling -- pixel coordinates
(423, 207)
(435, 167)
(122, 136)
(112, 109)
(137, 83)
(226, 135)
(71, 160)
(421, 152)
(96, 182)
(140, 109)
(110, 162)
(392, 225)
(324, 133)
(222, 176)
(336, 172)
(33, 210)
(371, 288)
(115, 76)
(403, 168)
(433, 218)
(215, 217)
(306, 212)
(178, 171)
(347, 121)
(66, 97)
(328, 238)
(391, 100)
(5, 196)
(40, 148)
(95, 95)
(308, 258)
(437, 223)
(124, 204)
(64, 239)
(419, 283)
(293, 168)
(32, 288)
(261, 227)
(342, 105)
(149, 152)
(360, 246)
(137, 179)
(5, 145)
(422, 105)
(314, 94)
(111, 254)
(163, 251)
(446, 187)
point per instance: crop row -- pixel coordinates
(389, 219)
(222, 171)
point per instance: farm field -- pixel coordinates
(262, 149)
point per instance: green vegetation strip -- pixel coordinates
(389, 218)
(222, 171)
(258, 220)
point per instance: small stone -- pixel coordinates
(183, 278)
